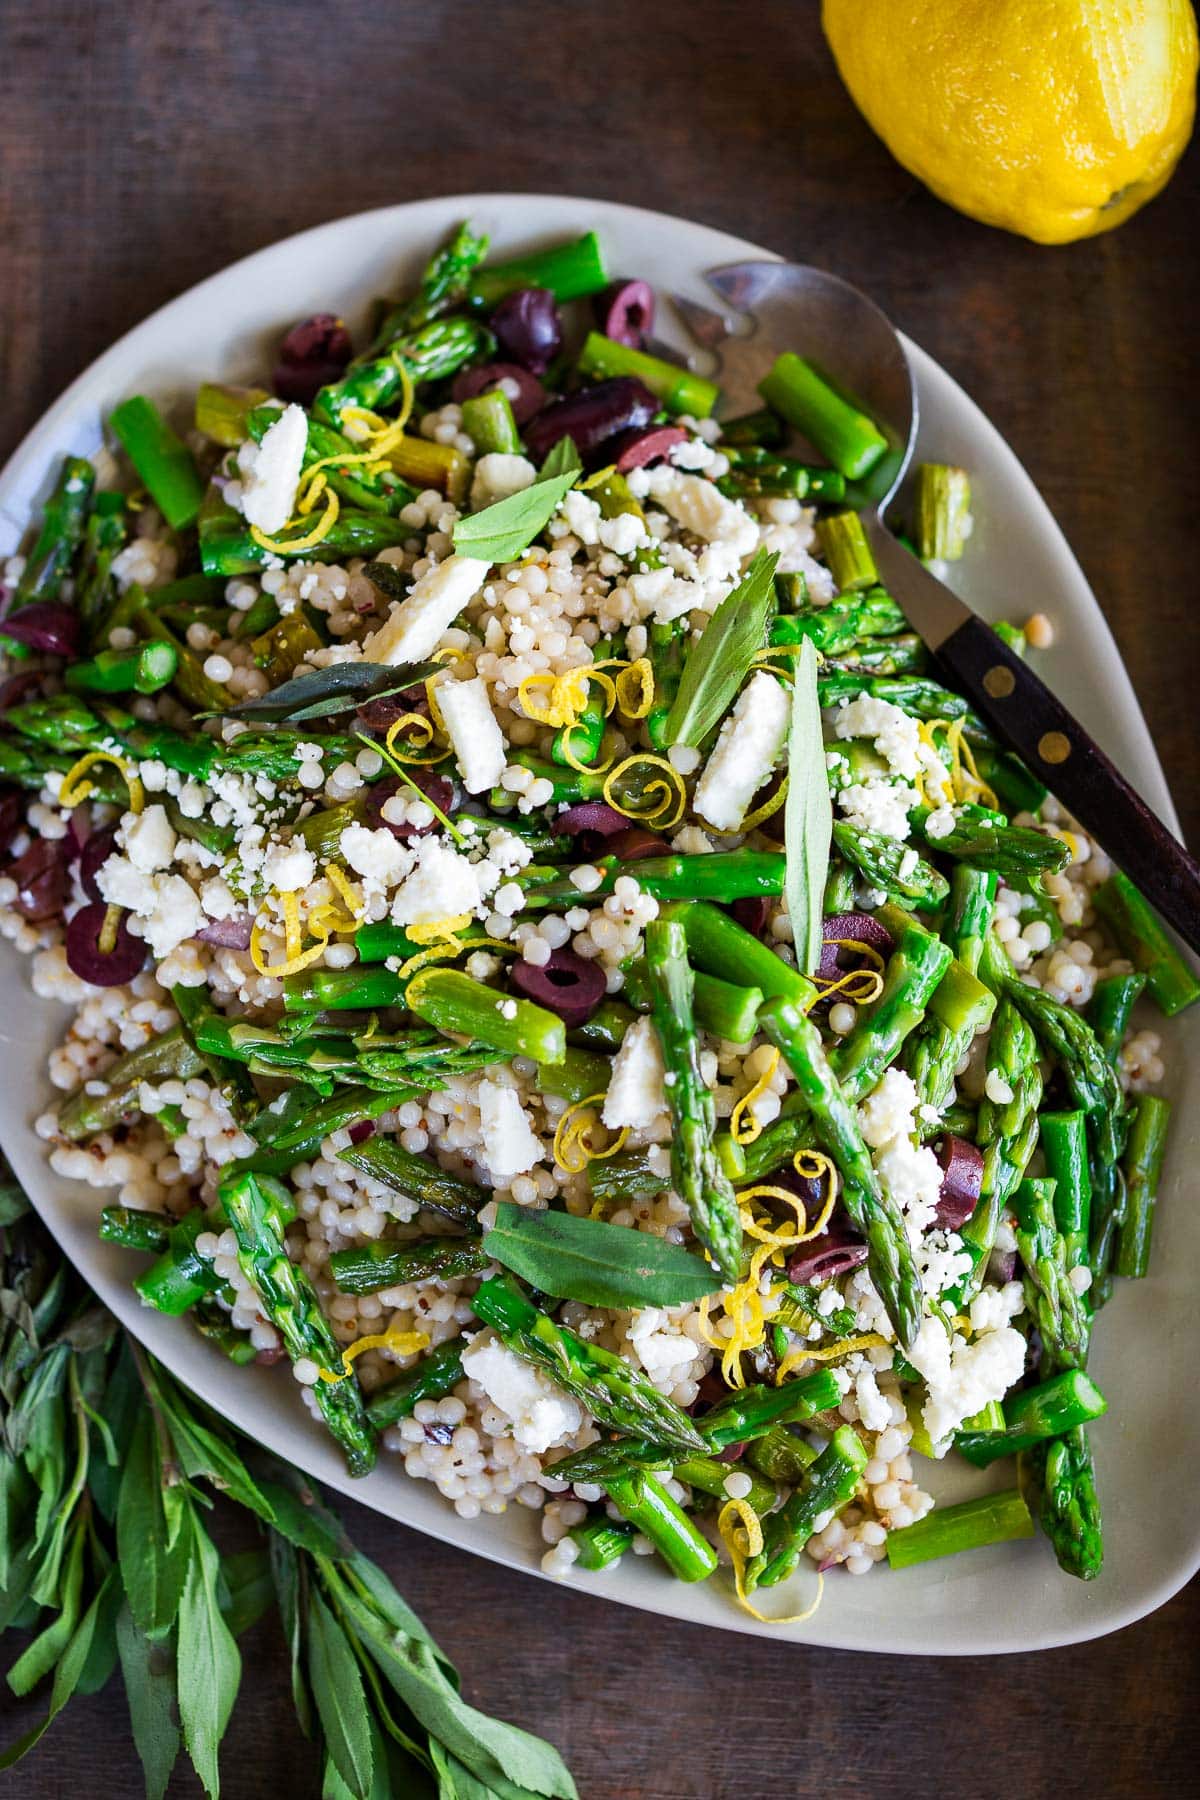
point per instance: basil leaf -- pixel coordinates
(337, 1686)
(598, 1264)
(500, 532)
(718, 663)
(561, 459)
(336, 689)
(210, 1666)
(149, 1673)
(808, 814)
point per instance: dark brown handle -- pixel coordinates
(1022, 710)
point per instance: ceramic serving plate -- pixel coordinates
(1147, 1348)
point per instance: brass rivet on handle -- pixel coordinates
(999, 682)
(1053, 747)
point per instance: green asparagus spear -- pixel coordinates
(942, 512)
(988, 1519)
(781, 1455)
(893, 867)
(833, 425)
(1113, 1000)
(679, 389)
(64, 520)
(1033, 1414)
(436, 1190)
(984, 839)
(1006, 1132)
(696, 1174)
(1146, 942)
(601, 1542)
(916, 966)
(1063, 1142)
(1060, 1474)
(435, 1376)
(366, 1268)
(569, 270)
(143, 670)
(444, 285)
(827, 1486)
(287, 1298)
(647, 1505)
(612, 1392)
(1050, 1299)
(751, 1411)
(85, 1115)
(161, 459)
(134, 1229)
(1143, 1166)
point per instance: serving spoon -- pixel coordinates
(791, 306)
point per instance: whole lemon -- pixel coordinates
(1053, 118)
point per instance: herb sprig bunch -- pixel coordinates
(111, 1477)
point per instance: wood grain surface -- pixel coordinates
(147, 145)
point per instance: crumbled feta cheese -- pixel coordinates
(542, 1414)
(289, 867)
(994, 1307)
(659, 1345)
(497, 476)
(746, 751)
(881, 806)
(414, 626)
(120, 884)
(175, 917)
(443, 885)
(700, 507)
(269, 490)
(893, 733)
(623, 534)
(149, 839)
(582, 515)
(217, 899)
(940, 822)
(509, 1144)
(962, 1378)
(471, 725)
(910, 1173)
(636, 1094)
(375, 854)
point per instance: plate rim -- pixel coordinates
(307, 1452)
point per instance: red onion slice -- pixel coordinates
(962, 1181)
(834, 1253)
(86, 959)
(47, 625)
(567, 984)
(233, 933)
(589, 815)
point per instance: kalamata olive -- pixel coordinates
(266, 1359)
(229, 934)
(635, 843)
(362, 1130)
(591, 416)
(12, 816)
(79, 829)
(95, 853)
(527, 326)
(567, 984)
(86, 959)
(834, 1253)
(42, 878)
(526, 395)
(625, 312)
(14, 690)
(591, 816)
(732, 1453)
(381, 714)
(638, 449)
(850, 928)
(47, 625)
(435, 787)
(752, 913)
(962, 1181)
(313, 354)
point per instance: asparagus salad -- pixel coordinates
(552, 964)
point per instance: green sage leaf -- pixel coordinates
(501, 531)
(598, 1264)
(718, 663)
(66, 1676)
(246, 1589)
(153, 1568)
(148, 1669)
(808, 814)
(321, 692)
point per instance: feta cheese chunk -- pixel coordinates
(149, 839)
(471, 726)
(414, 626)
(700, 507)
(541, 1413)
(442, 886)
(894, 734)
(636, 1094)
(375, 854)
(176, 916)
(509, 1145)
(499, 475)
(746, 751)
(962, 1378)
(269, 490)
(289, 867)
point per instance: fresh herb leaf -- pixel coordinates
(500, 532)
(598, 1264)
(148, 1669)
(246, 1589)
(322, 692)
(66, 1676)
(154, 1569)
(718, 663)
(808, 814)
(562, 458)
(392, 582)
(208, 1660)
(337, 1686)
(39, 1658)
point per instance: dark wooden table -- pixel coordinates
(144, 148)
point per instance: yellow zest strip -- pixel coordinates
(572, 1149)
(440, 930)
(741, 1533)
(106, 943)
(570, 758)
(743, 1129)
(635, 688)
(662, 801)
(422, 739)
(320, 531)
(440, 953)
(346, 891)
(860, 985)
(74, 788)
(291, 926)
(811, 1165)
(968, 783)
(754, 819)
(870, 1340)
(400, 1343)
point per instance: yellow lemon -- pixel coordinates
(1053, 118)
